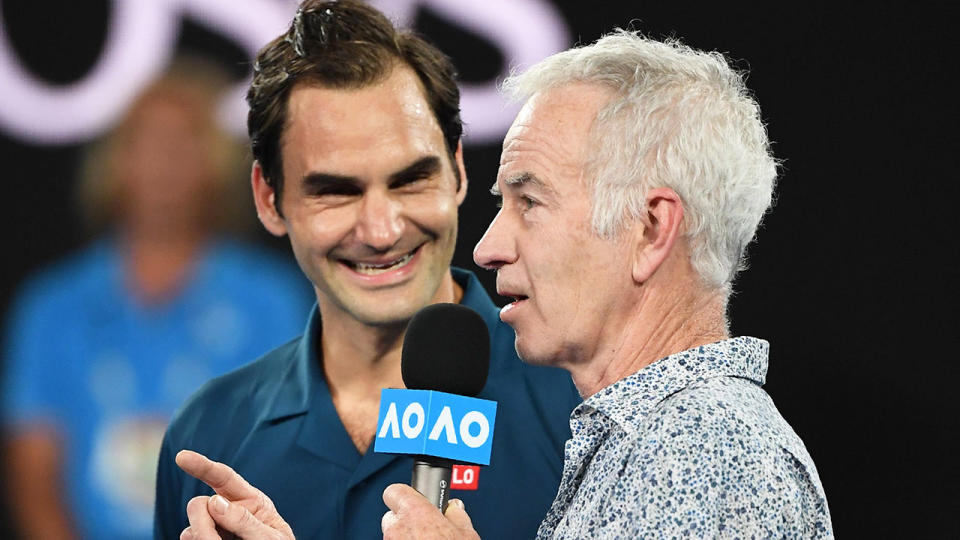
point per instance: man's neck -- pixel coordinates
(360, 359)
(157, 266)
(356, 356)
(361, 355)
(667, 320)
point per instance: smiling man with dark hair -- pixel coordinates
(356, 134)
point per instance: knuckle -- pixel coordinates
(261, 503)
(245, 519)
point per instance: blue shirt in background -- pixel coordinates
(274, 422)
(88, 359)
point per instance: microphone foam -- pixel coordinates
(446, 348)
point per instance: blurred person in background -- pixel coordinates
(102, 347)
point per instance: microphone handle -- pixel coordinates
(432, 480)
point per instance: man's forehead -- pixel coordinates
(399, 92)
(550, 136)
(580, 100)
(390, 117)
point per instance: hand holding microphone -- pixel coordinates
(445, 360)
(411, 516)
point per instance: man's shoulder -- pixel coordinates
(725, 409)
(228, 405)
(70, 279)
(720, 452)
(718, 429)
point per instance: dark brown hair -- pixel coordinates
(344, 44)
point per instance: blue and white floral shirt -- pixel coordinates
(688, 446)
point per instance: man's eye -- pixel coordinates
(410, 181)
(336, 192)
(527, 202)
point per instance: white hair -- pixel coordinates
(678, 118)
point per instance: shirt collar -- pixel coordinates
(293, 390)
(628, 400)
(292, 393)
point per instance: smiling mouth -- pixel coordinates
(368, 269)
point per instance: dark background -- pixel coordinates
(850, 278)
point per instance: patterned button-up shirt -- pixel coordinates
(688, 446)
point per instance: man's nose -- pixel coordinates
(497, 247)
(379, 224)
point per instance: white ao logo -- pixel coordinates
(414, 418)
(142, 34)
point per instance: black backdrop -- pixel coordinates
(850, 279)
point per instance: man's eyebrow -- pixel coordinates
(522, 179)
(315, 181)
(321, 181)
(425, 166)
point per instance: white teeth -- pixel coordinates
(374, 269)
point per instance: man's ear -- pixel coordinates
(458, 163)
(659, 231)
(264, 197)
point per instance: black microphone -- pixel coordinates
(446, 349)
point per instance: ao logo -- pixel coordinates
(141, 37)
(414, 417)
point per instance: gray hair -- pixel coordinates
(679, 118)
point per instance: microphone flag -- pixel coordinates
(437, 424)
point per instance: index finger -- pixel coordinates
(224, 480)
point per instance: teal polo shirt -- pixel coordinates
(274, 422)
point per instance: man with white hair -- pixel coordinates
(632, 181)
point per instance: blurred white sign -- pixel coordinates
(142, 34)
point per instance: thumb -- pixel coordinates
(457, 515)
(238, 520)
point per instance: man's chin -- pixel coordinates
(380, 318)
(531, 355)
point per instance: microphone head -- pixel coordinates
(446, 348)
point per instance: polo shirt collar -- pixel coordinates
(476, 297)
(303, 390)
(298, 384)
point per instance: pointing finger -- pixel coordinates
(218, 476)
